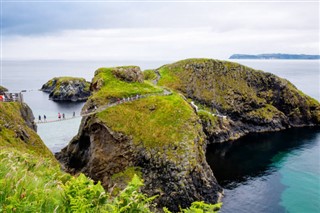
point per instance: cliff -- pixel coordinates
(17, 129)
(157, 136)
(235, 99)
(67, 89)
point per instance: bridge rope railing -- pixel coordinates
(106, 106)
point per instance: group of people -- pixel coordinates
(44, 118)
(60, 116)
(129, 99)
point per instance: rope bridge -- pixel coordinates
(104, 107)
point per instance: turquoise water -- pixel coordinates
(271, 172)
(300, 171)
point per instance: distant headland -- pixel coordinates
(276, 56)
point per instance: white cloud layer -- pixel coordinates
(156, 44)
(159, 31)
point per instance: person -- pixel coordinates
(44, 118)
(59, 116)
(63, 116)
(39, 118)
(74, 114)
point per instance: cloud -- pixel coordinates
(153, 44)
(156, 31)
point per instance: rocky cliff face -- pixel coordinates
(67, 89)
(159, 138)
(18, 131)
(250, 100)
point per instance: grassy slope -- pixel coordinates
(156, 122)
(15, 133)
(230, 86)
(113, 88)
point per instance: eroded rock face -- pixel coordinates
(67, 89)
(250, 100)
(100, 153)
(129, 74)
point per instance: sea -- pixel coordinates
(261, 173)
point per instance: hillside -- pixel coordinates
(240, 99)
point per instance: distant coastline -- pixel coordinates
(276, 56)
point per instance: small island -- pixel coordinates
(67, 89)
(276, 56)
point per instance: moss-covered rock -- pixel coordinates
(160, 137)
(3, 90)
(251, 100)
(17, 130)
(67, 89)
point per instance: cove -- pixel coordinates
(269, 172)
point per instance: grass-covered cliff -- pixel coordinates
(67, 89)
(252, 100)
(31, 180)
(158, 137)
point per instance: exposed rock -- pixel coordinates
(17, 130)
(128, 74)
(160, 136)
(28, 116)
(251, 100)
(67, 89)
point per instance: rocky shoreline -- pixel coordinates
(67, 89)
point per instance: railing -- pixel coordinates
(11, 97)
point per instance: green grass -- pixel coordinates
(149, 75)
(115, 88)
(155, 121)
(205, 116)
(29, 183)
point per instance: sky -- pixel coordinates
(156, 30)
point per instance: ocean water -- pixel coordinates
(269, 172)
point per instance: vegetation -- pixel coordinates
(15, 133)
(234, 88)
(149, 75)
(111, 87)
(29, 183)
(156, 122)
(3, 89)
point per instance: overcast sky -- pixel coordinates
(156, 30)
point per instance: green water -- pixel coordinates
(270, 172)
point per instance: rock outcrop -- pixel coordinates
(158, 137)
(17, 130)
(67, 89)
(3, 90)
(239, 99)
